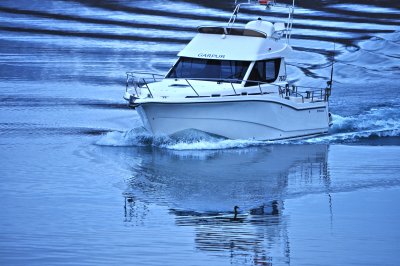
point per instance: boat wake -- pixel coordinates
(185, 140)
(379, 125)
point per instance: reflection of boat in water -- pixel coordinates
(201, 188)
(205, 181)
(260, 239)
(232, 81)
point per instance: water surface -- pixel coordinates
(83, 184)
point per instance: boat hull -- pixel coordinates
(259, 119)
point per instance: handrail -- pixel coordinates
(147, 86)
(132, 76)
(192, 87)
(311, 94)
(233, 17)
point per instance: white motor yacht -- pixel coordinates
(231, 81)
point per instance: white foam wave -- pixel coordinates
(376, 119)
(376, 123)
(352, 136)
(134, 137)
(187, 140)
(214, 145)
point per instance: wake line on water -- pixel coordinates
(97, 35)
(376, 124)
(101, 21)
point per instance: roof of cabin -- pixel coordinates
(239, 44)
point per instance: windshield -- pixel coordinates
(208, 69)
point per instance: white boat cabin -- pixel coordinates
(251, 56)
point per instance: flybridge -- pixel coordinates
(257, 40)
(280, 28)
(231, 31)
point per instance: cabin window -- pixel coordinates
(209, 69)
(264, 71)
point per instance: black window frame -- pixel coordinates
(258, 73)
(213, 69)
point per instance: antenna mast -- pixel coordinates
(330, 82)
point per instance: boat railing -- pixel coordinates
(303, 93)
(311, 94)
(140, 80)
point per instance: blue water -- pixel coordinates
(82, 183)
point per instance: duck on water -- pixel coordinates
(231, 81)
